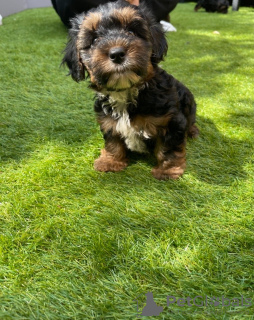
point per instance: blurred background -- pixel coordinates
(9, 7)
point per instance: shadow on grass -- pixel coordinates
(243, 118)
(209, 64)
(20, 139)
(216, 158)
(213, 157)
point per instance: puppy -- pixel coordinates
(221, 6)
(139, 107)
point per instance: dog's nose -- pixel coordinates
(117, 54)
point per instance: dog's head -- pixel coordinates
(116, 44)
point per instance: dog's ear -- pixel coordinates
(160, 45)
(71, 55)
(159, 42)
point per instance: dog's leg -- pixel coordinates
(193, 132)
(113, 157)
(198, 6)
(171, 164)
(170, 151)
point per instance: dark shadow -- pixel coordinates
(65, 124)
(38, 102)
(216, 158)
(203, 53)
(245, 118)
(212, 157)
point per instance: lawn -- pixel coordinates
(79, 244)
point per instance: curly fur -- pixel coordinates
(138, 105)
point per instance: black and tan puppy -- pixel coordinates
(139, 106)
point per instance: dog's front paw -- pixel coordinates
(106, 162)
(170, 173)
(106, 165)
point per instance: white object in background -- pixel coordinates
(1, 20)
(167, 26)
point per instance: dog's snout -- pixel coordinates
(117, 54)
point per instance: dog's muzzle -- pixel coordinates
(122, 78)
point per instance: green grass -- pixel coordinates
(79, 244)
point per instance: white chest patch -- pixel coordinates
(133, 138)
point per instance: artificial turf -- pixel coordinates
(79, 244)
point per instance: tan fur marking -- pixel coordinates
(116, 150)
(123, 81)
(92, 77)
(126, 15)
(170, 167)
(131, 1)
(151, 125)
(111, 161)
(107, 124)
(150, 72)
(113, 157)
(91, 21)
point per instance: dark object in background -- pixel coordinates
(161, 8)
(220, 6)
(67, 9)
(242, 3)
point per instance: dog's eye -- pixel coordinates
(94, 41)
(131, 33)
